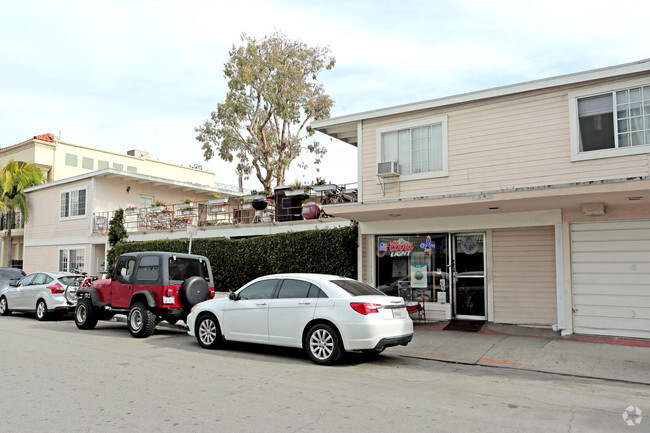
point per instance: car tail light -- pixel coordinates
(169, 292)
(364, 307)
(211, 294)
(56, 288)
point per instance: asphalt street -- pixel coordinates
(58, 378)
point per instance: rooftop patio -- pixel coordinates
(285, 206)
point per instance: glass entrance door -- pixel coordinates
(469, 276)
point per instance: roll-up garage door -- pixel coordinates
(610, 264)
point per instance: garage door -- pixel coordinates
(610, 264)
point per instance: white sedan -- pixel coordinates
(324, 314)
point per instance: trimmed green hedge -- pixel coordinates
(236, 261)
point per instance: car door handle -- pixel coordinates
(128, 287)
(304, 302)
(260, 303)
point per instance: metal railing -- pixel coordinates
(213, 213)
(17, 221)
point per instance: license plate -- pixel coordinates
(168, 300)
(398, 313)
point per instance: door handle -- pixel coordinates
(128, 287)
(261, 303)
(304, 302)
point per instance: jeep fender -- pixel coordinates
(145, 295)
(90, 293)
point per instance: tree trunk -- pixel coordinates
(8, 239)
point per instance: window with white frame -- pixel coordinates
(419, 148)
(73, 203)
(611, 123)
(72, 259)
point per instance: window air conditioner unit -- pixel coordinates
(387, 169)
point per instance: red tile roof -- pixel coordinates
(49, 137)
(45, 137)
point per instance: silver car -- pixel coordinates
(43, 293)
(7, 275)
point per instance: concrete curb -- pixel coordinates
(595, 358)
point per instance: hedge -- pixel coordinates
(234, 262)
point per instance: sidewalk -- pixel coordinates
(510, 346)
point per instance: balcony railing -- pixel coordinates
(16, 221)
(216, 212)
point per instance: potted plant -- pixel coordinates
(218, 200)
(320, 185)
(297, 188)
(158, 206)
(245, 203)
(187, 203)
(255, 195)
(130, 210)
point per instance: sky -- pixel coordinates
(142, 74)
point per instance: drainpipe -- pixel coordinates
(559, 278)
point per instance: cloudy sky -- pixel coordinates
(141, 74)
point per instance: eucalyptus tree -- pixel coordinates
(273, 95)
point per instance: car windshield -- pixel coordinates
(182, 268)
(356, 288)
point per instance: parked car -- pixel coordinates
(8, 275)
(323, 314)
(147, 287)
(43, 293)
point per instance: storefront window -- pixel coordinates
(414, 266)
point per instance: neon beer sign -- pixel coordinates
(398, 249)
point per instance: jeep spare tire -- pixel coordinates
(194, 290)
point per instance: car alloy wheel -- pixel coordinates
(41, 310)
(4, 308)
(208, 333)
(323, 344)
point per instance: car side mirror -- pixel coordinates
(13, 283)
(232, 296)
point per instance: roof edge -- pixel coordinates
(126, 175)
(560, 80)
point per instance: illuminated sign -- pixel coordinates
(427, 244)
(397, 246)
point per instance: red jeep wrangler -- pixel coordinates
(148, 287)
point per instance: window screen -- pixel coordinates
(88, 163)
(71, 160)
